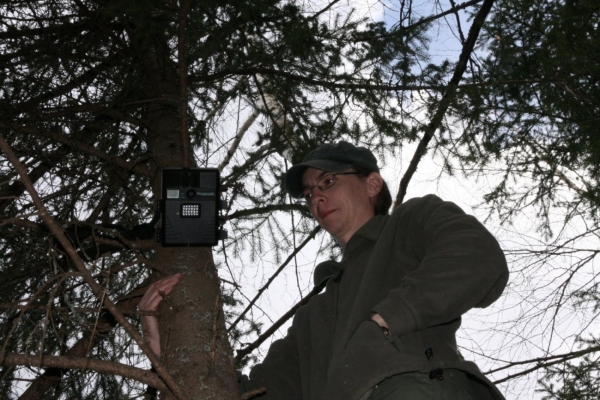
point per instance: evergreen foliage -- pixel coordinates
(534, 105)
(577, 381)
(91, 103)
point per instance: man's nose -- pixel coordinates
(318, 196)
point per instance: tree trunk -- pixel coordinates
(194, 343)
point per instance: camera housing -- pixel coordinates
(190, 207)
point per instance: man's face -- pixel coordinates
(343, 208)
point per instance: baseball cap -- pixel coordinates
(331, 158)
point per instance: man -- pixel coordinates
(385, 326)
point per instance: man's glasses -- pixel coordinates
(323, 183)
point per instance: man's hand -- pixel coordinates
(377, 318)
(150, 302)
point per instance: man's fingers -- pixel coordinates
(157, 291)
(165, 282)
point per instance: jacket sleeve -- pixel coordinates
(279, 373)
(461, 267)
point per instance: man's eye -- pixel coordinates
(330, 180)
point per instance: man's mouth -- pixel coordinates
(324, 214)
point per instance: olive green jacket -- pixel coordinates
(420, 269)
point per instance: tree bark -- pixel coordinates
(194, 343)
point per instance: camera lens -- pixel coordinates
(191, 193)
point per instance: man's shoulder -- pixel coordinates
(420, 210)
(429, 200)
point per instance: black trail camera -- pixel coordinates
(190, 207)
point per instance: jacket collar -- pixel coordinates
(370, 230)
(327, 270)
(330, 268)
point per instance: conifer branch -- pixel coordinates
(78, 146)
(85, 273)
(541, 362)
(75, 27)
(436, 120)
(19, 221)
(76, 82)
(83, 363)
(253, 158)
(346, 82)
(264, 210)
(323, 10)
(14, 191)
(421, 22)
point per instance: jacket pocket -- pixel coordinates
(369, 334)
(387, 334)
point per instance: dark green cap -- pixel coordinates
(336, 157)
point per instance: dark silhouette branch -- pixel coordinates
(240, 354)
(85, 273)
(333, 82)
(70, 309)
(74, 27)
(323, 10)
(253, 158)
(101, 110)
(14, 191)
(51, 377)
(19, 221)
(541, 363)
(422, 21)
(78, 146)
(76, 82)
(183, 90)
(264, 210)
(562, 357)
(285, 263)
(108, 367)
(437, 118)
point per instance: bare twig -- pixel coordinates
(238, 138)
(272, 278)
(282, 320)
(542, 363)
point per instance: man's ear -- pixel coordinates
(374, 184)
